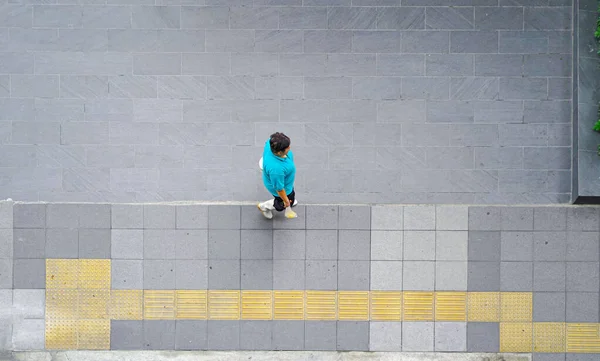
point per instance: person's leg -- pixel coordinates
(267, 208)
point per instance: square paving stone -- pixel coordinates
(159, 334)
(29, 215)
(322, 244)
(353, 275)
(483, 276)
(517, 218)
(223, 275)
(352, 336)
(126, 335)
(418, 275)
(550, 219)
(582, 306)
(583, 246)
(127, 274)
(322, 217)
(354, 245)
(451, 276)
(127, 216)
(516, 276)
(288, 275)
(321, 275)
(280, 222)
(60, 215)
(288, 335)
(355, 217)
(485, 218)
(417, 336)
(29, 303)
(549, 306)
(94, 216)
(94, 243)
(419, 218)
(6, 243)
(516, 246)
(549, 357)
(224, 217)
(387, 218)
(6, 215)
(224, 335)
(320, 335)
(386, 275)
(29, 243)
(549, 276)
(159, 244)
(256, 335)
(127, 244)
(257, 244)
(452, 245)
(29, 273)
(6, 273)
(159, 216)
(385, 336)
(450, 336)
(6, 304)
(581, 357)
(253, 219)
(62, 243)
(583, 277)
(484, 246)
(159, 274)
(191, 274)
(419, 245)
(387, 245)
(224, 244)
(289, 244)
(257, 274)
(583, 219)
(191, 243)
(483, 337)
(193, 216)
(28, 335)
(190, 335)
(451, 218)
(6, 336)
(549, 246)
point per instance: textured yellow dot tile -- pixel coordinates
(192, 305)
(62, 273)
(224, 305)
(386, 306)
(583, 337)
(93, 304)
(451, 306)
(516, 306)
(93, 334)
(321, 305)
(159, 305)
(288, 305)
(516, 337)
(549, 337)
(61, 334)
(483, 306)
(353, 306)
(61, 304)
(94, 273)
(418, 306)
(257, 305)
(126, 304)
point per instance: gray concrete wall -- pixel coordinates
(137, 101)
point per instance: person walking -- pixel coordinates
(278, 174)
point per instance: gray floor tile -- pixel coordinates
(386, 275)
(583, 277)
(419, 245)
(256, 335)
(6, 332)
(385, 336)
(484, 277)
(257, 274)
(322, 244)
(516, 276)
(386, 245)
(387, 218)
(159, 244)
(549, 246)
(549, 276)
(224, 217)
(224, 335)
(94, 216)
(321, 275)
(549, 307)
(192, 216)
(159, 274)
(517, 218)
(550, 219)
(29, 303)
(159, 334)
(60, 215)
(353, 275)
(288, 335)
(191, 244)
(253, 219)
(450, 336)
(417, 336)
(224, 275)
(94, 243)
(452, 245)
(29, 215)
(352, 336)
(320, 335)
(190, 335)
(6, 243)
(288, 275)
(354, 245)
(127, 274)
(6, 273)
(29, 243)
(451, 218)
(28, 335)
(224, 244)
(29, 273)
(280, 222)
(451, 275)
(6, 301)
(583, 219)
(257, 244)
(126, 335)
(128, 216)
(355, 217)
(516, 246)
(159, 216)
(322, 217)
(418, 275)
(6, 215)
(289, 244)
(583, 246)
(484, 246)
(483, 337)
(581, 357)
(582, 306)
(191, 274)
(485, 218)
(127, 244)
(62, 243)
(419, 218)
(549, 357)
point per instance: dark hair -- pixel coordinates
(279, 142)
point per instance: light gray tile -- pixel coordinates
(499, 18)
(418, 275)
(223, 335)
(257, 274)
(549, 276)
(319, 41)
(582, 307)
(272, 41)
(385, 336)
(127, 216)
(516, 246)
(401, 64)
(303, 18)
(376, 42)
(181, 87)
(288, 335)
(450, 336)
(127, 244)
(289, 244)
(322, 244)
(159, 274)
(29, 273)
(132, 86)
(451, 218)
(127, 274)
(523, 88)
(230, 40)
(246, 17)
(288, 275)
(428, 89)
(6, 274)
(321, 275)
(549, 306)
(191, 274)
(386, 275)
(320, 335)
(430, 42)
(157, 64)
(401, 18)
(418, 336)
(474, 41)
(582, 246)
(159, 216)
(28, 334)
(205, 17)
(354, 275)
(582, 276)
(451, 275)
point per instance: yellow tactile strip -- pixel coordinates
(418, 306)
(386, 306)
(516, 336)
(583, 337)
(549, 337)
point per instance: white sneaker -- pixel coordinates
(265, 212)
(295, 203)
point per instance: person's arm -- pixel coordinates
(282, 195)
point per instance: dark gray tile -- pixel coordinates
(253, 219)
(583, 277)
(224, 335)
(29, 215)
(62, 215)
(485, 218)
(62, 243)
(191, 244)
(583, 219)
(289, 244)
(320, 335)
(191, 216)
(224, 244)
(354, 245)
(29, 243)
(159, 216)
(257, 274)
(582, 307)
(159, 274)
(583, 246)
(549, 276)
(322, 244)
(94, 243)
(159, 334)
(549, 246)
(288, 275)
(256, 335)
(223, 275)
(94, 215)
(126, 335)
(517, 218)
(224, 217)
(6, 273)
(516, 246)
(321, 275)
(355, 217)
(159, 244)
(483, 337)
(352, 336)
(29, 273)
(190, 335)
(257, 244)
(191, 274)
(322, 217)
(484, 246)
(354, 275)
(288, 335)
(549, 306)
(581, 356)
(483, 276)
(516, 276)
(550, 219)
(549, 357)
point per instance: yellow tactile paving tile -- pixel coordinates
(451, 306)
(386, 306)
(61, 334)
(418, 306)
(94, 274)
(93, 334)
(320, 305)
(516, 336)
(62, 273)
(549, 337)
(126, 304)
(516, 307)
(159, 305)
(93, 304)
(583, 338)
(483, 306)
(191, 305)
(257, 305)
(223, 305)
(353, 305)
(288, 305)
(62, 304)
